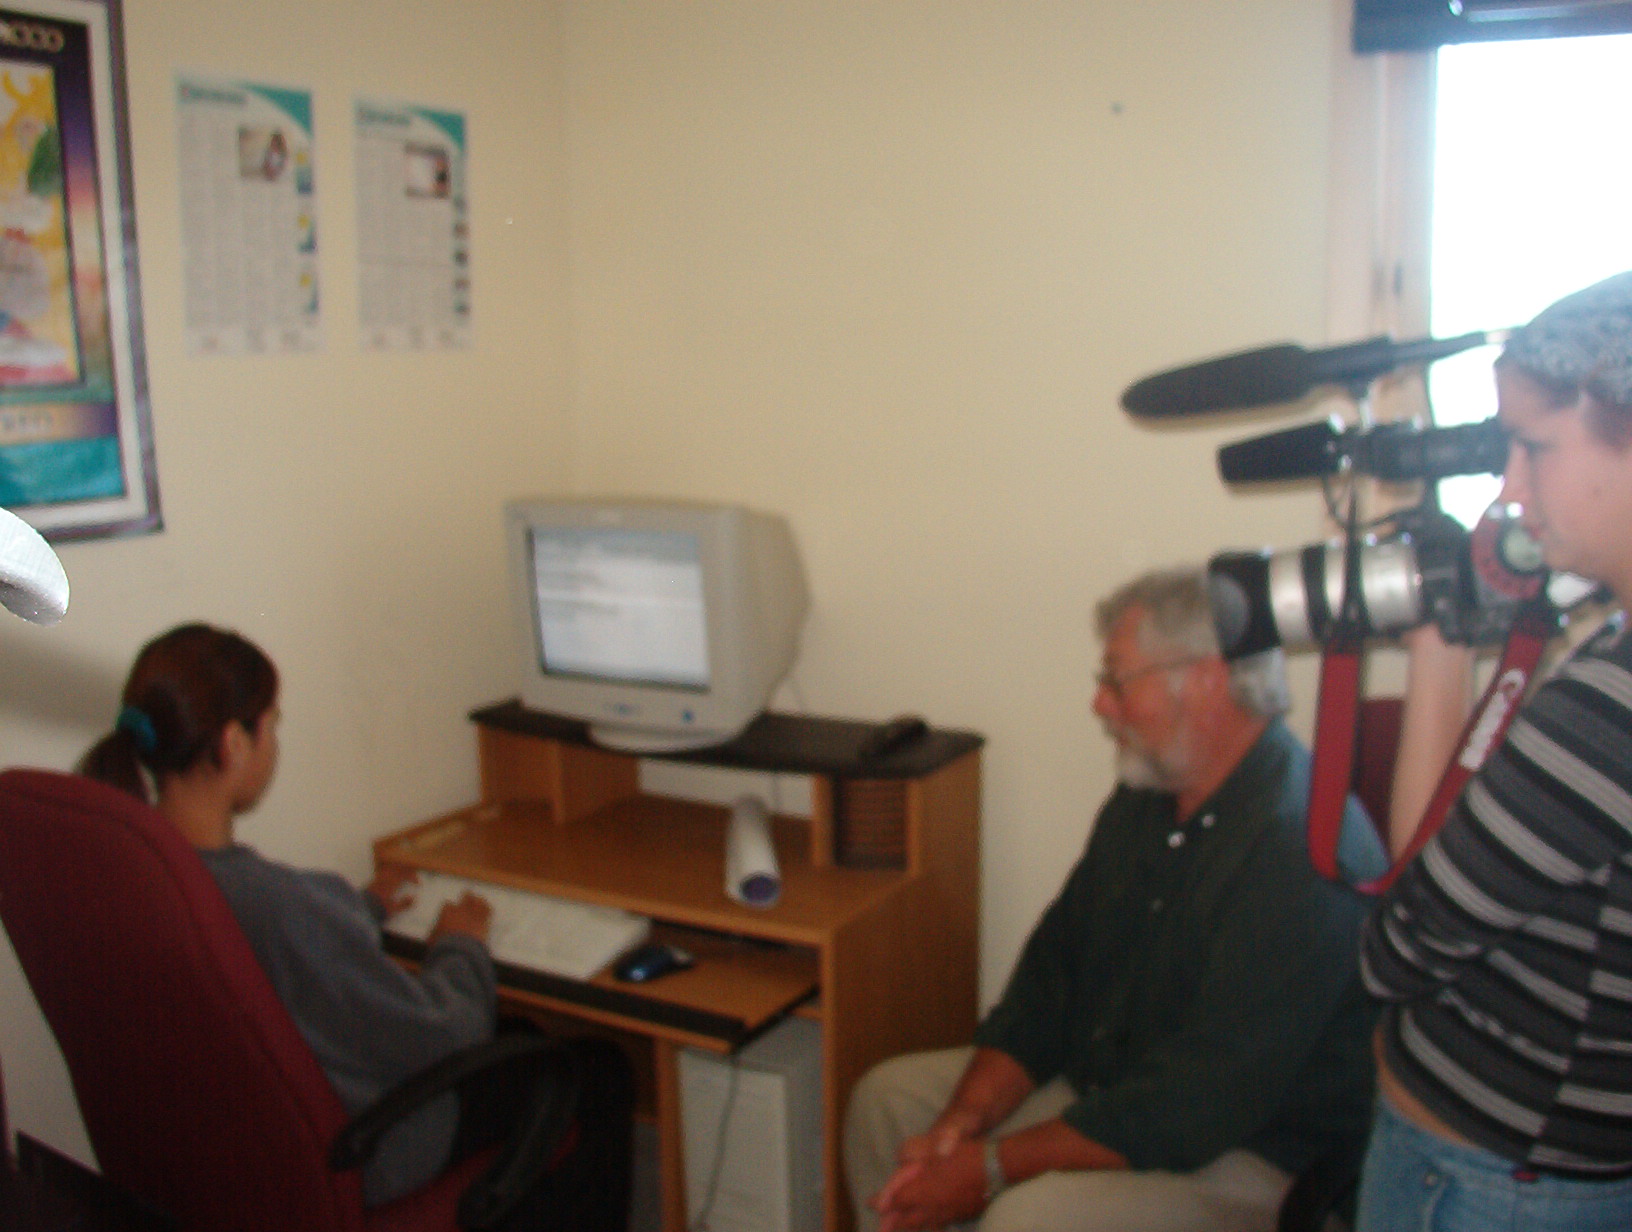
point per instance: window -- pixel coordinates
(1472, 186)
(1530, 185)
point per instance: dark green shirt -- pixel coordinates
(1198, 984)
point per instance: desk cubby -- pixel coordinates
(873, 938)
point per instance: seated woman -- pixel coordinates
(199, 725)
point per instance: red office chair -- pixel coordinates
(199, 1094)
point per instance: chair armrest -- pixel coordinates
(359, 1137)
(531, 1150)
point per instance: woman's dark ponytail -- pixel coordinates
(186, 686)
(115, 760)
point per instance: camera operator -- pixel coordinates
(1504, 952)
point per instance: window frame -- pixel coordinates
(1423, 25)
(1380, 216)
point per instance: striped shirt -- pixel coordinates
(1505, 950)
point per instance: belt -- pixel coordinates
(1528, 1174)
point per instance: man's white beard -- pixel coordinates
(1137, 768)
(1155, 769)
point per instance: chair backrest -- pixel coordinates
(197, 1090)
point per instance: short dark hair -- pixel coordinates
(1582, 346)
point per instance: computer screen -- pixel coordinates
(664, 624)
(621, 605)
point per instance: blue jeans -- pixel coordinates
(1415, 1181)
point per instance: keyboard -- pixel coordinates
(537, 932)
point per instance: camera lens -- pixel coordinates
(1292, 598)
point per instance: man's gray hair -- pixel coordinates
(1179, 619)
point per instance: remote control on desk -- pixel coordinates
(896, 734)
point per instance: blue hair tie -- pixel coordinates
(140, 727)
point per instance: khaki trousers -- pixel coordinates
(1237, 1192)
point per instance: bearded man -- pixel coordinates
(1185, 1028)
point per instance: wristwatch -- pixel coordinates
(996, 1182)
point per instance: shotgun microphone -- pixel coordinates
(1283, 373)
(1396, 452)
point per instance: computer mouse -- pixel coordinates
(647, 962)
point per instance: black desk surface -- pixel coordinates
(790, 743)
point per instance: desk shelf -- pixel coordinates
(658, 858)
(653, 855)
(883, 958)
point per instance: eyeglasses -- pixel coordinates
(1115, 682)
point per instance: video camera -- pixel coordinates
(1379, 579)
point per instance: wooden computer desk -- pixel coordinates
(874, 936)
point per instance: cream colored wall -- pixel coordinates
(339, 508)
(886, 268)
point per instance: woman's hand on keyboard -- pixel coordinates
(468, 914)
(390, 885)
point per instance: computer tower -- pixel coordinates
(752, 1130)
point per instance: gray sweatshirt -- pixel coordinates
(370, 1022)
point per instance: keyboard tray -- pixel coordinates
(686, 1005)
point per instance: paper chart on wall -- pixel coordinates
(413, 228)
(248, 213)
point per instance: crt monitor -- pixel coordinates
(665, 625)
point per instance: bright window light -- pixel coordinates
(1531, 185)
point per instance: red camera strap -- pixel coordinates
(1336, 730)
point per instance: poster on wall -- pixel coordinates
(413, 228)
(76, 451)
(248, 217)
